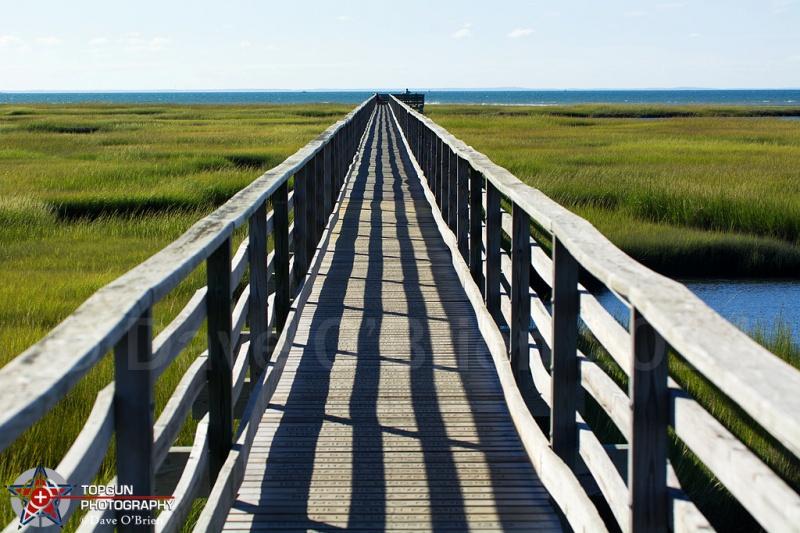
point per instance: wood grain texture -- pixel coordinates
(380, 417)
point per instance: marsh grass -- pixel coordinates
(87, 192)
(701, 191)
(710, 496)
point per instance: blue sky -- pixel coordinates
(351, 44)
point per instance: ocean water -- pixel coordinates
(783, 97)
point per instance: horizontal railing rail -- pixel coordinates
(510, 287)
(118, 318)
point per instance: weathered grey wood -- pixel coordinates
(320, 210)
(240, 312)
(84, 458)
(476, 227)
(563, 430)
(492, 240)
(463, 222)
(225, 488)
(686, 517)
(133, 410)
(189, 484)
(647, 460)
(282, 280)
(300, 244)
(556, 477)
(606, 475)
(761, 384)
(171, 420)
(258, 312)
(239, 262)
(327, 180)
(452, 191)
(220, 364)
(178, 334)
(767, 497)
(520, 294)
(89, 333)
(311, 212)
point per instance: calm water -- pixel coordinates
(662, 97)
(745, 303)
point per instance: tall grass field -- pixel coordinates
(87, 192)
(688, 191)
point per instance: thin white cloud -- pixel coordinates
(780, 6)
(520, 32)
(10, 40)
(464, 32)
(343, 18)
(98, 41)
(155, 44)
(49, 41)
(694, 35)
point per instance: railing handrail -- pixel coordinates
(33, 382)
(760, 382)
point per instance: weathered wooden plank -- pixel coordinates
(171, 420)
(647, 460)
(565, 378)
(492, 241)
(220, 364)
(520, 294)
(282, 279)
(86, 454)
(258, 312)
(452, 191)
(133, 409)
(179, 333)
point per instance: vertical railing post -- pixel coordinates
(463, 209)
(220, 364)
(330, 191)
(444, 186)
(311, 213)
(452, 191)
(476, 228)
(321, 209)
(133, 413)
(564, 364)
(280, 230)
(520, 292)
(300, 232)
(258, 312)
(647, 457)
(493, 225)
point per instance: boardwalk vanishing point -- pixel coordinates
(390, 350)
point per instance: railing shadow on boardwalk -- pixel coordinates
(287, 482)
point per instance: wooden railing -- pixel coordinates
(469, 190)
(119, 317)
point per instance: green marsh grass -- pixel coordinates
(691, 191)
(88, 192)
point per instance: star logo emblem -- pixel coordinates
(40, 497)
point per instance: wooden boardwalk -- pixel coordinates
(389, 414)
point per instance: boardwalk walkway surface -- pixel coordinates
(389, 414)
